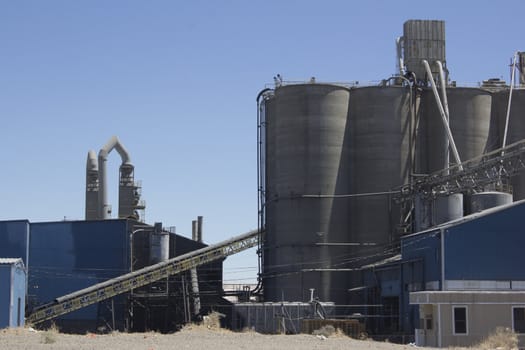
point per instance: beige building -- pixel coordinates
(465, 318)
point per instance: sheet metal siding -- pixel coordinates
(425, 246)
(68, 256)
(489, 248)
(423, 40)
(18, 293)
(14, 240)
(12, 289)
(5, 295)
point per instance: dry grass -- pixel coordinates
(50, 335)
(501, 339)
(212, 321)
(13, 331)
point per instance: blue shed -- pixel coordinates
(12, 292)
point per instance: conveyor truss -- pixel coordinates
(144, 276)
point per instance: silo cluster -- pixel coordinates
(333, 155)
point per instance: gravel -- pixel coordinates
(191, 337)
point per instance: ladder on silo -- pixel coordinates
(145, 276)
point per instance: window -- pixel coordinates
(518, 319)
(460, 319)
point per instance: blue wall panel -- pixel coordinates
(19, 296)
(68, 256)
(5, 294)
(14, 240)
(425, 246)
(488, 248)
(12, 295)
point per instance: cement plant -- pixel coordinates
(383, 211)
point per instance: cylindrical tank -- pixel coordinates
(470, 112)
(307, 152)
(486, 200)
(159, 247)
(380, 129)
(516, 129)
(447, 208)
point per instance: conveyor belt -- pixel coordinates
(472, 175)
(142, 277)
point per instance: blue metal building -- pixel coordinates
(479, 252)
(66, 256)
(14, 239)
(12, 292)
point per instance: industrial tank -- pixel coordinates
(381, 125)
(486, 200)
(307, 163)
(470, 112)
(516, 129)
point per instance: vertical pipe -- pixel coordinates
(194, 230)
(443, 116)
(199, 229)
(443, 84)
(103, 207)
(113, 313)
(442, 236)
(507, 117)
(399, 51)
(193, 271)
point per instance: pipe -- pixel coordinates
(199, 229)
(400, 61)
(113, 143)
(507, 117)
(193, 271)
(260, 183)
(443, 116)
(447, 113)
(91, 164)
(92, 183)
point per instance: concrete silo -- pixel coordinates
(470, 115)
(307, 151)
(381, 125)
(332, 157)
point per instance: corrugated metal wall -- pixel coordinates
(14, 240)
(68, 256)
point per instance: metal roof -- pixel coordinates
(469, 217)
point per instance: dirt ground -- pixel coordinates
(193, 337)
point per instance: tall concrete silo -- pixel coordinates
(307, 162)
(516, 129)
(470, 118)
(381, 125)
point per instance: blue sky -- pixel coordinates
(177, 81)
